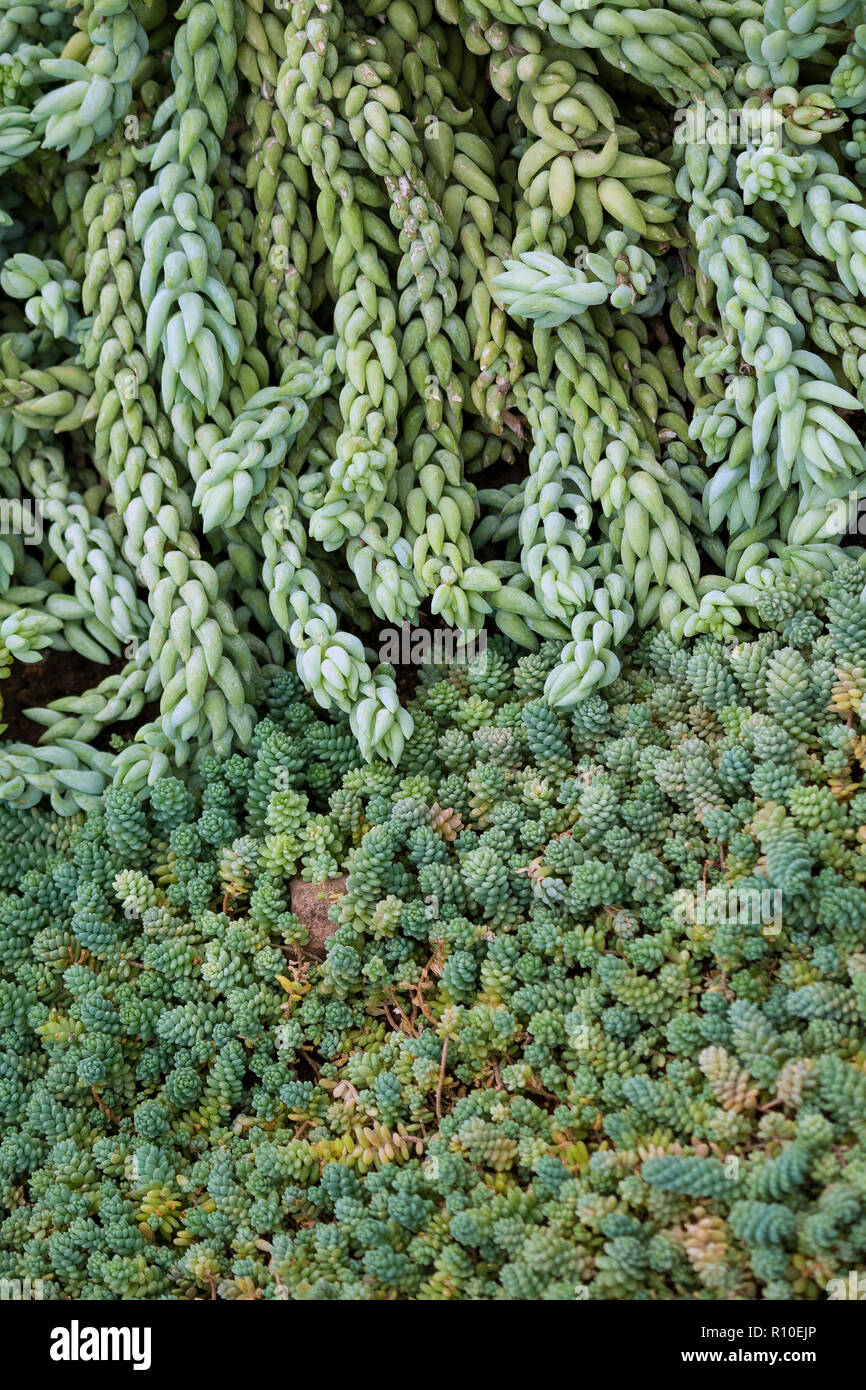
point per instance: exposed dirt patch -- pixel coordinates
(310, 903)
(56, 676)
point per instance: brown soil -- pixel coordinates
(56, 676)
(310, 903)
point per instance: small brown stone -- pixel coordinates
(310, 903)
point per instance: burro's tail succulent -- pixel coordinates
(542, 288)
(542, 318)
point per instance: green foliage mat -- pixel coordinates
(590, 1023)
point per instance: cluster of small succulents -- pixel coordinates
(539, 1054)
